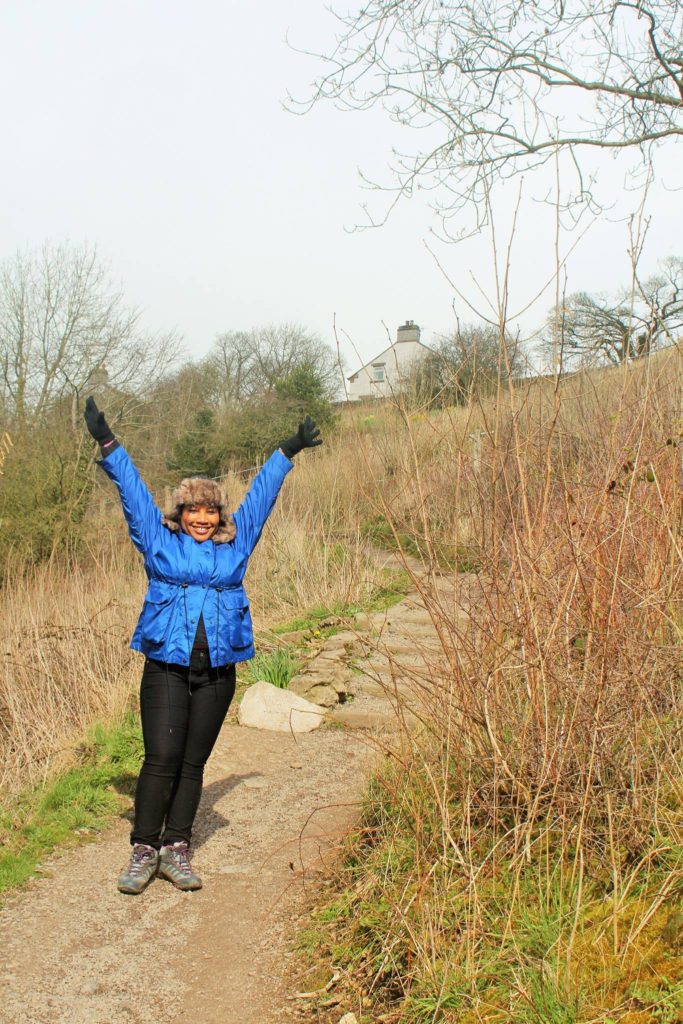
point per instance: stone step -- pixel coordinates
(414, 616)
(385, 662)
(372, 714)
(396, 645)
(344, 641)
(383, 687)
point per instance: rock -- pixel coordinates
(296, 636)
(374, 713)
(265, 706)
(325, 680)
(312, 688)
(386, 686)
(341, 642)
(299, 685)
(368, 622)
(331, 663)
(348, 1018)
(398, 645)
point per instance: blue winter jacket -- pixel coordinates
(189, 578)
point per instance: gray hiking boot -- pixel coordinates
(140, 871)
(174, 864)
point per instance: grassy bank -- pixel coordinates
(467, 924)
(75, 805)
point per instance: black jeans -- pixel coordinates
(182, 710)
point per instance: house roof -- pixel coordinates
(386, 351)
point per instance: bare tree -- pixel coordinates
(467, 362)
(597, 329)
(501, 87)
(231, 365)
(662, 296)
(65, 331)
(249, 363)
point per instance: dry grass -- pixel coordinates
(64, 634)
(313, 553)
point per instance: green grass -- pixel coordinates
(664, 1000)
(447, 556)
(403, 927)
(396, 585)
(311, 619)
(75, 805)
(277, 667)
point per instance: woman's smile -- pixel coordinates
(200, 521)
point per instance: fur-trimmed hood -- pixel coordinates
(199, 490)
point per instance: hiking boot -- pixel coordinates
(141, 870)
(174, 864)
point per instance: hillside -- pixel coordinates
(520, 854)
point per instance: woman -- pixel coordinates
(194, 626)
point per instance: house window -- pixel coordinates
(377, 373)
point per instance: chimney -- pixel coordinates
(409, 331)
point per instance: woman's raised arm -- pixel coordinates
(252, 514)
(141, 513)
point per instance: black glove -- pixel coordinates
(98, 426)
(305, 437)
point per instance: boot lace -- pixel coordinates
(181, 855)
(138, 861)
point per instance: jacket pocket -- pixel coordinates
(157, 613)
(235, 607)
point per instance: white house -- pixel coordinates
(384, 374)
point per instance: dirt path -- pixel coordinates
(273, 811)
(76, 951)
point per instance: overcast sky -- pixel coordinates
(156, 130)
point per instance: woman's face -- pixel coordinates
(200, 521)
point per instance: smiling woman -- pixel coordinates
(194, 626)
